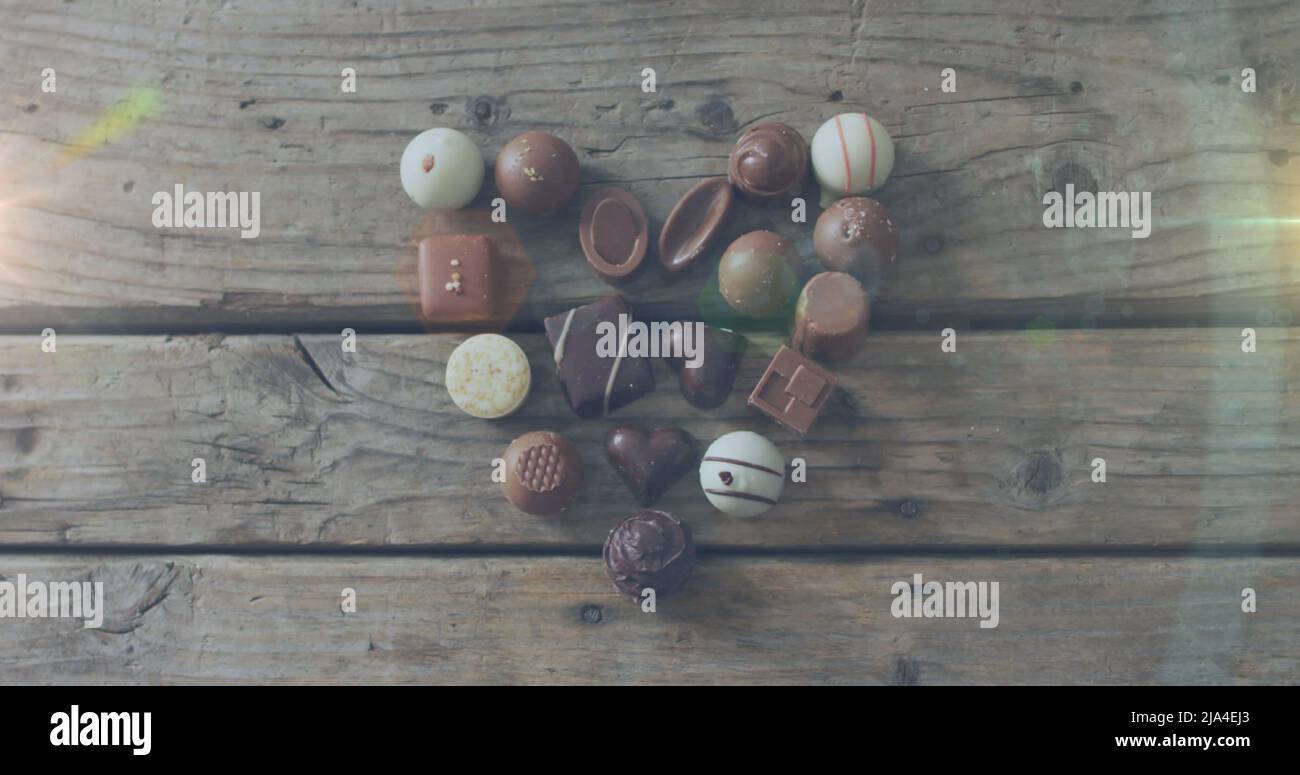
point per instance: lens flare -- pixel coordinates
(140, 104)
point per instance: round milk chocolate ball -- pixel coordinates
(537, 173)
(649, 550)
(769, 163)
(543, 473)
(759, 273)
(857, 235)
(442, 169)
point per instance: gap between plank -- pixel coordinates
(1173, 551)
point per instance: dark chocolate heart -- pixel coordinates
(650, 462)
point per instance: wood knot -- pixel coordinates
(1279, 156)
(437, 108)
(1039, 474)
(26, 440)
(591, 614)
(716, 116)
(933, 244)
(837, 96)
(1076, 87)
(273, 123)
(907, 672)
(487, 111)
(910, 509)
(1073, 172)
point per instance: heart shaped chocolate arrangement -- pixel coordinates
(650, 461)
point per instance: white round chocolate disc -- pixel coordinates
(488, 376)
(742, 474)
(851, 154)
(442, 169)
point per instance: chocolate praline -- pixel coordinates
(649, 461)
(649, 550)
(793, 391)
(857, 235)
(831, 317)
(543, 473)
(593, 376)
(708, 385)
(694, 223)
(758, 273)
(614, 234)
(537, 173)
(769, 163)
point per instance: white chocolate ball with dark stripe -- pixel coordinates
(851, 154)
(742, 474)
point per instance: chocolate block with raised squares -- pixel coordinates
(793, 391)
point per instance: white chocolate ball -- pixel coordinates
(742, 474)
(851, 154)
(442, 169)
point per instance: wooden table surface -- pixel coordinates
(330, 470)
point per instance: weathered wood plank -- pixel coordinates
(992, 445)
(1096, 94)
(214, 619)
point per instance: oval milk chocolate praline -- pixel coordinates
(613, 234)
(649, 550)
(830, 320)
(769, 162)
(857, 235)
(537, 173)
(543, 473)
(693, 223)
(759, 273)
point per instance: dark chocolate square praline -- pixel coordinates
(595, 384)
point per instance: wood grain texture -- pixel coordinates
(1101, 94)
(989, 446)
(202, 619)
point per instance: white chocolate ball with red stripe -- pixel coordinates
(742, 474)
(851, 154)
